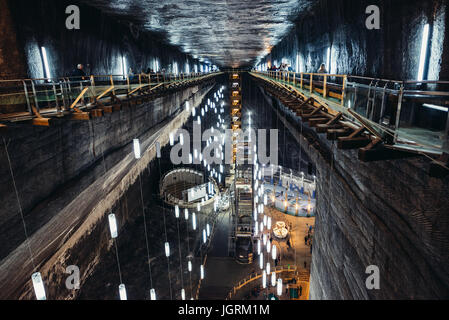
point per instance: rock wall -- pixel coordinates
(68, 177)
(391, 214)
(99, 44)
(12, 59)
(392, 52)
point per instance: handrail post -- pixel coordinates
(25, 90)
(35, 96)
(294, 79)
(311, 83)
(343, 91)
(325, 86)
(302, 79)
(92, 84)
(398, 115)
(112, 84)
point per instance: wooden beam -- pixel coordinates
(322, 128)
(117, 107)
(376, 152)
(43, 122)
(313, 122)
(96, 113)
(352, 143)
(80, 116)
(333, 134)
(108, 109)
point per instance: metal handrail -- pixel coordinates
(401, 127)
(70, 90)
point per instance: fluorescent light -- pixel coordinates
(113, 226)
(38, 286)
(124, 66)
(122, 291)
(183, 294)
(153, 294)
(435, 107)
(279, 287)
(136, 148)
(167, 250)
(328, 60)
(423, 54)
(297, 62)
(46, 65)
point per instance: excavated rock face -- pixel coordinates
(389, 214)
(392, 52)
(228, 33)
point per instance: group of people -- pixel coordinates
(79, 72)
(282, 67)
(285, 67)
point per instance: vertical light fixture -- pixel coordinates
(122, 292)
(136, 148)
(177, 211)
(273, 278)
(279, 287)
(328, 59)
(261, 261)
(113, 226)
(273, 252)
(167, 249)
(297, 62)
(423, 54)
(46, 64)
(183, 294)
(186, 214)
(124, 66)
(264, 279)
(194, 220)
(202, 272)
(38, 286)
(152, 294)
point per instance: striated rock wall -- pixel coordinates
(99, 44)
(392, 52)
(66, 188)
(391, 214)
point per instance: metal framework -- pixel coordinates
(81, 98)
(369, 117)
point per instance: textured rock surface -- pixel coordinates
(64, 171)
(12, 59)
(388, 213)
(228, 33)
(391, 52)
(100, 43)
